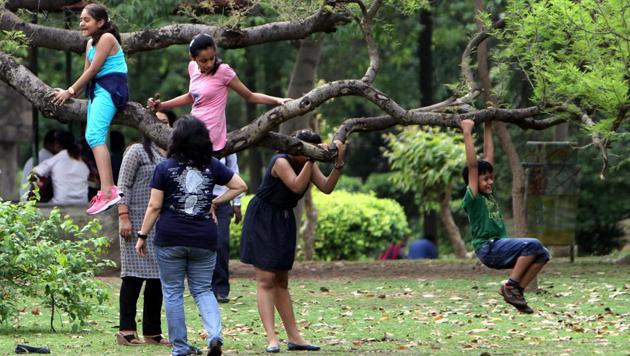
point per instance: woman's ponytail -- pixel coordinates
(99, 12)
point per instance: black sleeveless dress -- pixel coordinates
(268, 239)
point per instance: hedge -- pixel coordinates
(350, 226)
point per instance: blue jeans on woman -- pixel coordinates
(174, 263)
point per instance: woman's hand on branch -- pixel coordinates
(282, 101)
(154, 104)
(60, 96)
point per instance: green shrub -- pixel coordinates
(355, 225)
(50, 258)
(351, 184)
(350, 225)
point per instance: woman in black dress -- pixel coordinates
(269, 232)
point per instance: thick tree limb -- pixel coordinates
(69, 40)
(598, 142)
(46, 5)
(257, 132)
(467, 72)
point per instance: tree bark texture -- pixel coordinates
(302, 81)
(459, 248)
(516, 169)
(151, 39)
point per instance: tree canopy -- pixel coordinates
(574, 55)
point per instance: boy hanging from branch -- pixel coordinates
(525, 256)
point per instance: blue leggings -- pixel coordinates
(100, 113)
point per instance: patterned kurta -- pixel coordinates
(134, 179)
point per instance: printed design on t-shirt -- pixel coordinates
(494, 213)
(192, 191)
(196, 98)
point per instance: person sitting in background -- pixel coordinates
(423, 248)
(393, 251)
(50, 149)
(68, 172)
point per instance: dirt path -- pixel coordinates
(374, 269)
(425, 269)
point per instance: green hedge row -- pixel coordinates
(350, 226)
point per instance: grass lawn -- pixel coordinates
(584, 309)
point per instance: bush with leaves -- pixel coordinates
(350, 184)
(49, 258)
(350, 226)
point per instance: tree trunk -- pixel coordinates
(302, 81)
(255, 157)
(518, 182)
(449, 223)
(425, 41)
(15, 120)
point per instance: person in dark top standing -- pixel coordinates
(269, 234)
(186, 232)
(117, 150)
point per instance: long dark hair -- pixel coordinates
(99, 12)
(147, 143)
(67, 142)
(204, 41)
(190, 142)
(307, 135)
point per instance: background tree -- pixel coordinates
(552, 50)
(428, 162)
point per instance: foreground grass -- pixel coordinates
(585, 309)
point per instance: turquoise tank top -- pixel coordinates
(114, 63)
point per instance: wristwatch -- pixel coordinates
(141, 235)
(71, 91)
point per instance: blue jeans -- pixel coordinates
(503, 253)
(174, 263)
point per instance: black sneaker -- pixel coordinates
(512, 295)
(525, 310)
(193, 351)
(223, 299)
(215, 348)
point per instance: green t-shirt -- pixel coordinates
(485, 218)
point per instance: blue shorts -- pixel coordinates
(100, 112)
(503, 253)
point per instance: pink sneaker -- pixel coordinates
(101, 202)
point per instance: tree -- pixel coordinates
(428, 162)
(518, 175)
(303, 80)
(326, 19)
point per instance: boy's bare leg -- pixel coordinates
(531, 273)
(521, 267)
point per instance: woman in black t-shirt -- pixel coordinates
(186, 232)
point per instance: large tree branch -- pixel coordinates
(69, 40)
(467, 72)
(257, 132)
(598, 142)
(39, 5)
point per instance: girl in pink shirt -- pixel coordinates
(210, 79)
